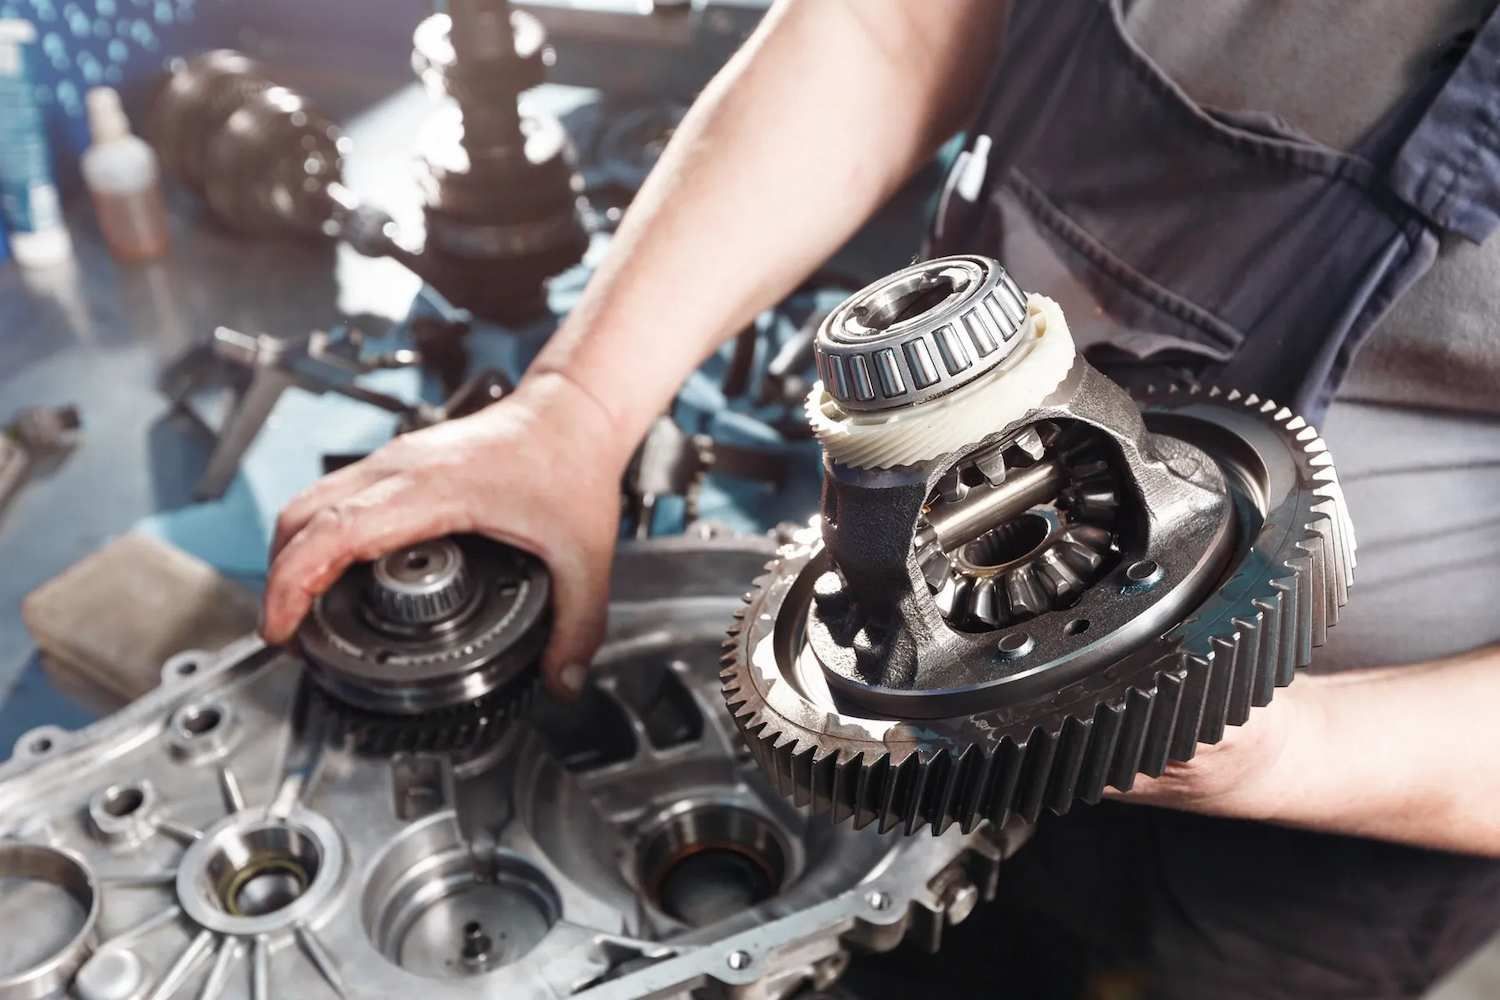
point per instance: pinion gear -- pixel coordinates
(1290, 573)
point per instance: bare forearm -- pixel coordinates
(826, 110)
(1409, 754)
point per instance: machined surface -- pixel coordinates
(1151, 689)
(624, 846)
(430, 627)
(919, 333)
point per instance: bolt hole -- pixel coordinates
(123, 800)
(187, 668)
(418, 561)
(1077, 626)
(472, 927)
(42, 744)
(201, 721)
(879, 900)
(1141, 572)
(739, 960)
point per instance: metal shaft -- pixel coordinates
(958, 523)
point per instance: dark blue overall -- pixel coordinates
(1226, 248)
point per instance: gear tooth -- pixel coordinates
(1103, 741)
(1059, 579)
(934, 564)
(1233, 395)
(820, 781)
(949, 599)
(971, 773)
(1022, 594)
(1317, 582)
(1036, 770)
(1303, 584)
(985, 604)
(1081, 557)
(801, 768)
(843, 796)
(1273, 642)
(1003, 782)
(1246, 669)
(895, 793)
(1073, 746)
(1190, 709)
(1222, 672)
(1135, 718)
(868, 789)
(929, 775)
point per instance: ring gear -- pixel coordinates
(432, 647)
(1234, 554)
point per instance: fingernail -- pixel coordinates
(571, 679)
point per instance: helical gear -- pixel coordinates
(464, 729)
(432, 647)
(1288, 577)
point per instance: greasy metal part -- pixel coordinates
(954, 525)
(1054, 605)
(40, 951)
(602, 850)
(1065, 735)
(430, 627)
(422, 584)
(920, 332)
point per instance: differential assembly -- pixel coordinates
(1029, 586)
(432, 646)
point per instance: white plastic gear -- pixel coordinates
(884, 440)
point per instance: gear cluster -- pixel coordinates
(1084, 591)
(1042, 558)
(431, 647)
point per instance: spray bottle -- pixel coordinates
(123, 177)
(29, 204)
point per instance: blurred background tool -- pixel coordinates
(499, 194)
(35, 438)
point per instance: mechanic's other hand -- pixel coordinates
(539, 470)
(1252, 771)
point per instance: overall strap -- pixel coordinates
(1448, 169)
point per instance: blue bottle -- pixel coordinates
(29, 204)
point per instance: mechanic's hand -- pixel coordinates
(1252, 771)
(539, 470)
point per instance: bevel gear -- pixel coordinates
(1229, 553)
(431, 647)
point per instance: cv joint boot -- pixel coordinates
(1028, 585)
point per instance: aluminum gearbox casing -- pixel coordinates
(211, 840)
